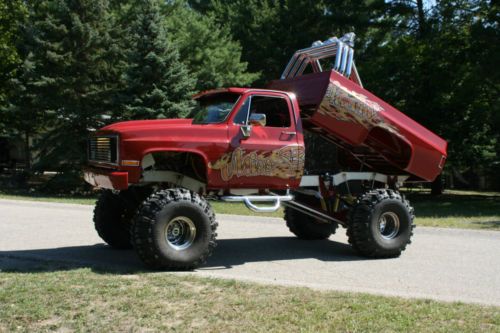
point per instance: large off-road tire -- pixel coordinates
(113, 215)
(306, 227)
(380, 224)
(174, 229)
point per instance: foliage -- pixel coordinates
(157, 85)
(445, 73)
(12, 15)
(68, 77)
(66, 65)
(207, 49)
(271, 31)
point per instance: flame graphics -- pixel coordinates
(286, 162)
(347, 105)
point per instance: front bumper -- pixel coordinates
(110, 179)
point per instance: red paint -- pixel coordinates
(424, 149)
(212, 141)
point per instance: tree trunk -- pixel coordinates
(422, 25)
(437, 186)
(27, 151)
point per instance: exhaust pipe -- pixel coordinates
(341, 49)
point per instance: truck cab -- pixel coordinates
(234, 138)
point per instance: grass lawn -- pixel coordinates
(458, 209)
(454, 209)
(58, 299)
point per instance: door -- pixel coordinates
(268, 155)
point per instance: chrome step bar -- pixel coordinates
(249, 200)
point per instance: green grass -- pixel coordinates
(458, 209)
(454, 209)
(51, 299)
(47, 198)
(219, 207)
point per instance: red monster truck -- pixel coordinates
(247, 145)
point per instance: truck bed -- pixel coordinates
(375, 135)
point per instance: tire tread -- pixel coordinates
(144, 220)
(303, 226)
(358, 231)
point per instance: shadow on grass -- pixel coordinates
(488, 224)
(229, 252)
(450, 205)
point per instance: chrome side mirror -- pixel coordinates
(246, 130)
(257, 119)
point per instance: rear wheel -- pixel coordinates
(174, 229)
(381, 224)
(306, 227)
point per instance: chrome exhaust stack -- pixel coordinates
(339, 48)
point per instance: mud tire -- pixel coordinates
(149, 232)
(305, 227)
(113, 215)
(364, 231)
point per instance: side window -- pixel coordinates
(275, 109)
(242, 115)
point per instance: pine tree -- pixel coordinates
(271, 31)
(12, 15)
(69, 77)
(206, 48)
(158, 85)
(22, 114)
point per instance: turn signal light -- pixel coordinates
(130, 163)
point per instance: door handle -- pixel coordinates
(289, 133)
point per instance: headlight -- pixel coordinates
(103, 149)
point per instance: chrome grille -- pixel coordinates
(103, 149)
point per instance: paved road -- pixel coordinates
(442, 264)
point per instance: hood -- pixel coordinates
(140, 125)
(162, 130)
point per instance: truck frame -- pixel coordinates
(247, 145)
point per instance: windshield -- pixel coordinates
(212, 109)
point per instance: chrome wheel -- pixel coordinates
(180, 233)
(388, 225)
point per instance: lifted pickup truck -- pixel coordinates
(247, 145)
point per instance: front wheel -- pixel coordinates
(113, 215)
(380, 224)
(174, 229)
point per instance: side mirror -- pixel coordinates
(246, 130)
(257, 119)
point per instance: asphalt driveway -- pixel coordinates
(441, 264)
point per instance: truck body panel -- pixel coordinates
(140, 138)
(273, 156)
(351, 116)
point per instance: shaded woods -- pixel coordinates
(69, 66)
